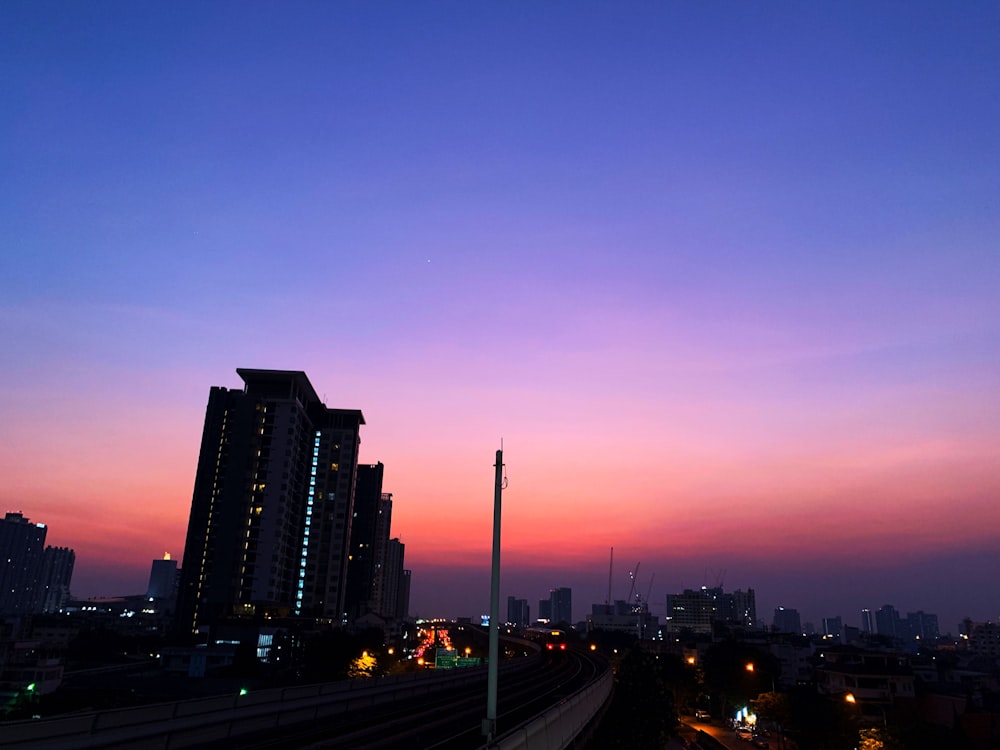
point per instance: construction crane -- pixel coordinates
(633, 575)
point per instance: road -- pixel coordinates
(725, 737)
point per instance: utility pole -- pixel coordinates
(490, 722)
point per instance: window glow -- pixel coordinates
(305, 537)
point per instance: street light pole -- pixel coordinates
(490, 722)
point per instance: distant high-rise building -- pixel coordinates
(887, 622)
(694, 610)
(403, 602)
(698, 609)
(561, 605)
(786, 620)
(376, 580)
(33, 578)
(834, 628)
(369, 534)
(545, 610)
(982, 638)
(624, 617)
(922, 626)
(272, 506)
(518, 612)
(52, 591)
(22, 544)
(162, 579)
(389, 580)
(867, 622)
(738, 607)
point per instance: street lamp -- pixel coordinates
(852, 699)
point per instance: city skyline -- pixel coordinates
(723, 281)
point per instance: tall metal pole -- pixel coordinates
(490, 723)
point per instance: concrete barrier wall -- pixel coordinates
(559, 726)
(179, 724)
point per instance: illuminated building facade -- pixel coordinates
(269, 528)
(693, 610)
(738, 608)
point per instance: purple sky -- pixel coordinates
(724, 277)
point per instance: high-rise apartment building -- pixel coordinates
(403, 600)
(53, 579)
(887, 621)
(375, 575)
(834, 628)
(518, 612)
(698, 610)
(368, 538)
(389, 596)
(561, 605)
(867, 621)
(271, 512)
(21, 546)
(738, 608)
(544, 610)
(694, 610)
(787, 620)
(921, 626)
(33, 578)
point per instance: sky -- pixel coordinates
(724, 279)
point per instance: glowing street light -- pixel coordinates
(750, 666)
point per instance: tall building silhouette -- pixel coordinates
(921, 625)
(269, 528)
(33, 578)
(561, 605)
(867, 621)
(392, 583)
(21, 546)
(887, 621)
(52, 590)
(162, 579)
(518, 612)
(369, 533)
(787, 620)
(376, 581)
(737, 607)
